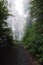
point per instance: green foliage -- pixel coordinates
(33, 37)
(5, 32)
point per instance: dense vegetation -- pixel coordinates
(33, 36)
(5, 32)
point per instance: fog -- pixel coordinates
(17, 21)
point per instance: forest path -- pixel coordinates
(14, 56)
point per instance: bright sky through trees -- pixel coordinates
(19, 6)
(17, 9)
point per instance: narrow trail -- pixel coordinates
(14, 56)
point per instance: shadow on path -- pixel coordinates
(14, 56)
(8, 56)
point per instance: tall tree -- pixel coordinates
(5, 32)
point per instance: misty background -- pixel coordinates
(19, 10)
